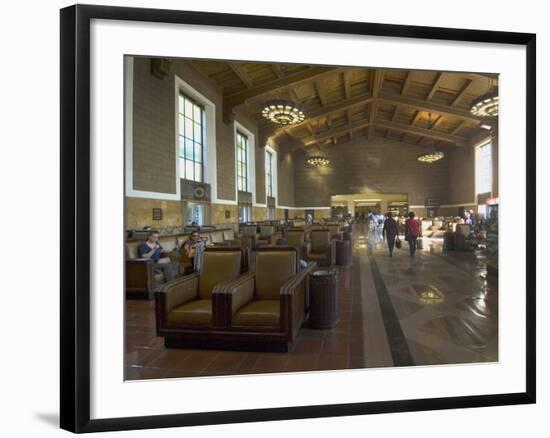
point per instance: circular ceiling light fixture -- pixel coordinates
(432, 155)
(318, 160)
(283, 112)
(485, 106)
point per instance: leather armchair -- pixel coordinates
(268, 306)
(267, 235)
(250, 232)
(190, 303)
(323, 248)
(141, 278)
(335, 231)
(296, 238)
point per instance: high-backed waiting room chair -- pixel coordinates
(268, 306)
(188, 304)
(296, 237)
(141, 277)
(322, 248)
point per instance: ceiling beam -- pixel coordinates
(339, 131)
(395, 112)
(462, 92)
(347, 86)
(343, 130)
(241, 74)
(406, 83)
(429, 107)
(272, 87)
(458, 127)
(377, 80)
(293, 95)
(376, 86)
(436, 123)
(373, 107)
(435, 86)
(416, 117)
(459, 141)
(321, 112)
(277, 69)
(320, 92)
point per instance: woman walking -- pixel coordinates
(412, 232)
(390, 231)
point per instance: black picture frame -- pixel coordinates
(75, 217)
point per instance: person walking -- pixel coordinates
(390, 231)
(412, 232)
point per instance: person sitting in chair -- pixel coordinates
(151, 249)
(191, 250)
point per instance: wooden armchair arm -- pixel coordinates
(230, 296)
(139, 275)
(304, 250)
(295, 300)
(332, 254)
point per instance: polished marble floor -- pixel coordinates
(436, 308)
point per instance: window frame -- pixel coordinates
(240, 151)
(269, 173)
(483, 152)
(183, 158)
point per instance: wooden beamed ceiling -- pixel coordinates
(342, 103)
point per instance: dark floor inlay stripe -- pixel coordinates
(399, 348)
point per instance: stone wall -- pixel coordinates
(217, 214)
(154, 148)
(362, 166)
(139, 213)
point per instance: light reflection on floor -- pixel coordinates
(446, 303)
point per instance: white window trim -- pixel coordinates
(251, 167)
(210, 175)
(487, 140)
(275, 173)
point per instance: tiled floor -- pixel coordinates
(435, 308)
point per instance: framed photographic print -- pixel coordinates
(327, 201)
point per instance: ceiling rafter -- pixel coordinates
(277, 69)
(241, 73)
(458, 127)
(347, 85)
(406, 83)
(404, 128)
(422, 105)
(416, 117)
(435, 86)
(272, 87)
(320, 92)
(459, 141)
(462, 92)
(437, 122)
(376, 85)
(321, 112)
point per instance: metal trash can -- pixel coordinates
(448, 241)
(343, 252)
(323, 289)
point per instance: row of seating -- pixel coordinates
(141, 278)
(312, 243)
(227, 306)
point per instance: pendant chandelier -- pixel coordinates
(318, 160)
(432, 155)
(486, 105)
(283, 111)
